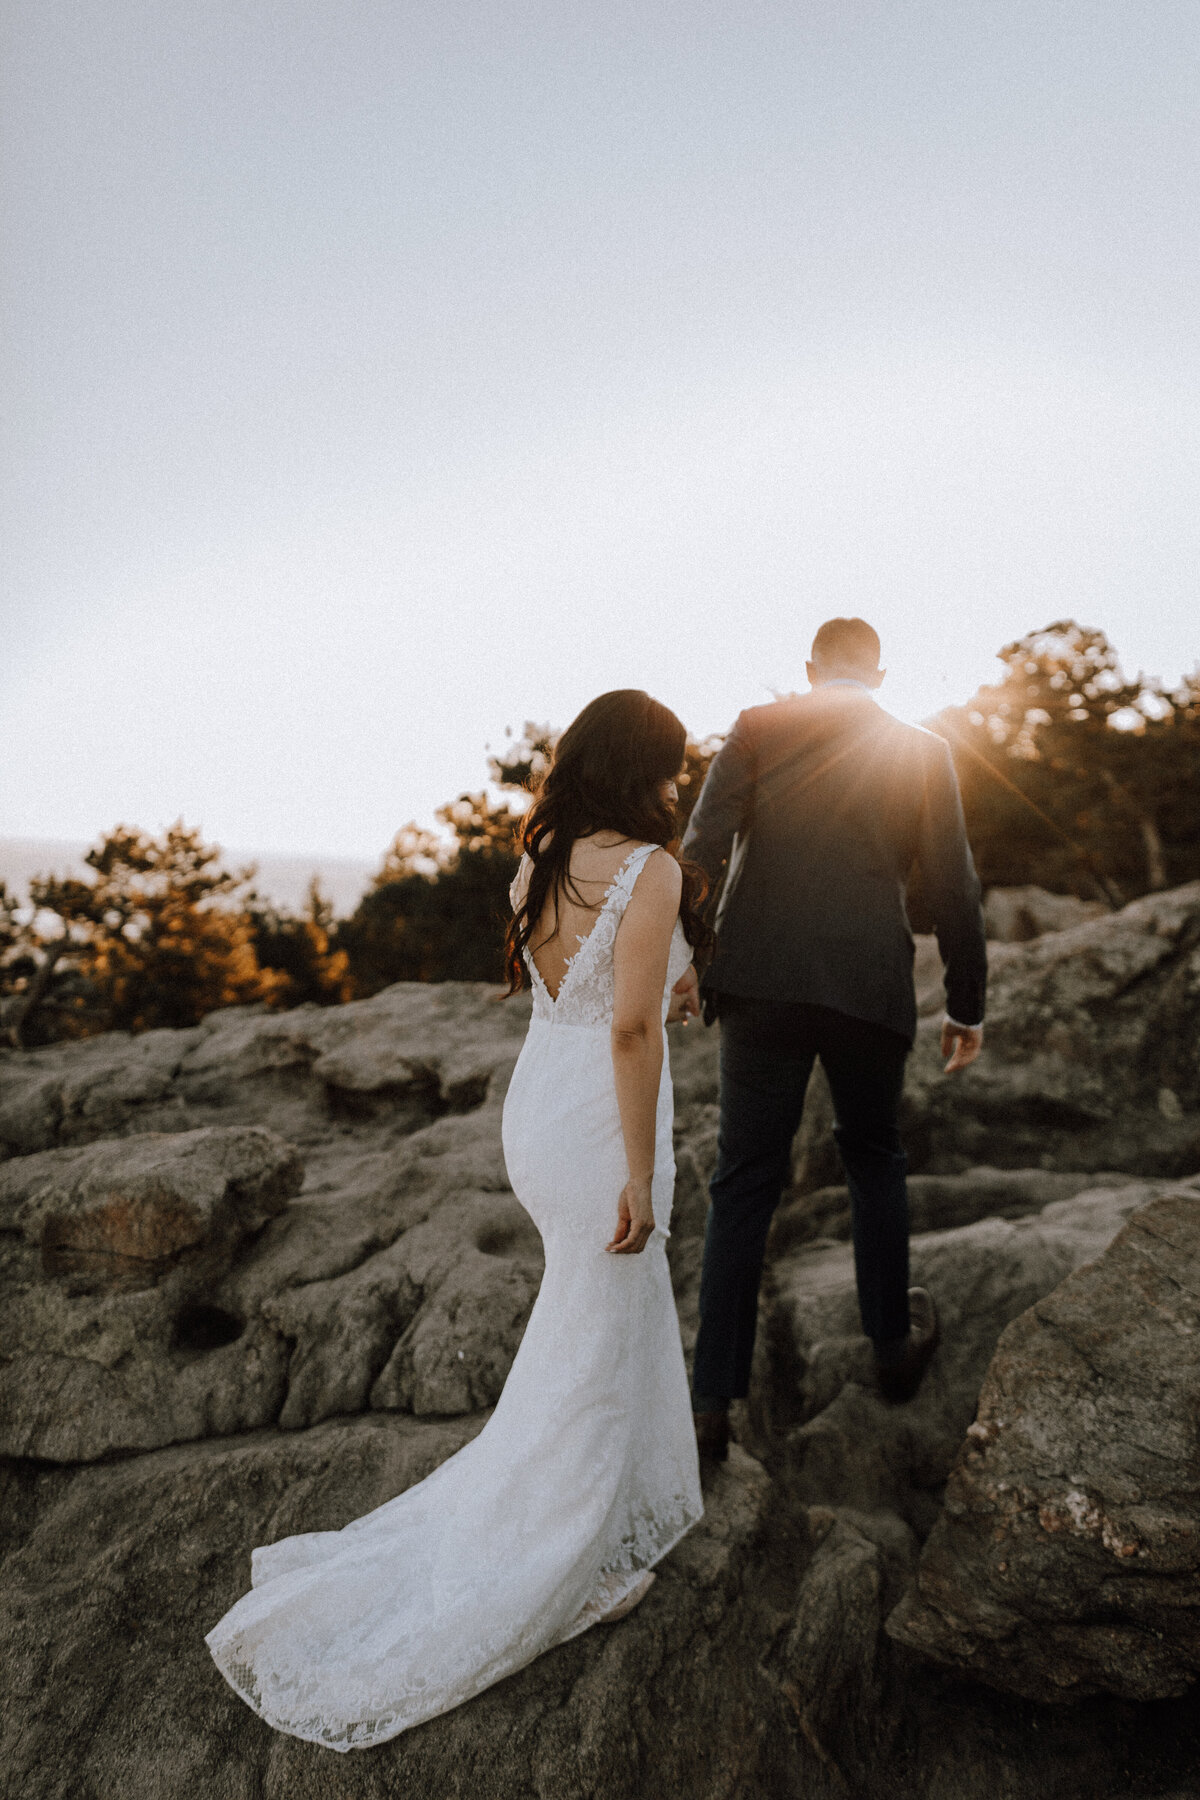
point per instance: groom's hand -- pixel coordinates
(961, 1043)
(685, 998)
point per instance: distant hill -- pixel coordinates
(283, 879)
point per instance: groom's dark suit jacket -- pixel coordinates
(823, 804)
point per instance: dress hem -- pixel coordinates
(575, 1630)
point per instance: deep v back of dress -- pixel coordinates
(585, 992)
(550, 963)
(585, 1475)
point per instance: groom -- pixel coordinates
(820, 806)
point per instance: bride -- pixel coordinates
(586, 1474)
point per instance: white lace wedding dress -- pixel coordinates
(584, 1476)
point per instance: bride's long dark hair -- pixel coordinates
(605, 775)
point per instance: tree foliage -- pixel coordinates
(1075, 777)
(437, 909)
(301, 950)
(155, 938)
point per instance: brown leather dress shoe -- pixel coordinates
(712, 1435)
(899, 1380)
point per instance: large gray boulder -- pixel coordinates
(1067, 1558)
(1014, 915)
(868, 1477)
(815, 1410)
(113, 1336)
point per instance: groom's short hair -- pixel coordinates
(846, 643)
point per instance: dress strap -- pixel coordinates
(519, 884)
(623, 881)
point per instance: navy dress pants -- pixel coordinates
(767, 1053)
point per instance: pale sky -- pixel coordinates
(381, 375)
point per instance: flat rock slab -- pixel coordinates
(407, 1055)
(938, 1202)
(116, 1217)
(1067, 1558)
(110, 1255)
(110, 1690)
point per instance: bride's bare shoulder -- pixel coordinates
(659, 882)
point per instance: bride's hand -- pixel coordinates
(635, 1218)
(685, 998)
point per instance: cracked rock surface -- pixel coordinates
(1066, 1559)
(165, 1285)
(112, 1260)
(259, 1276)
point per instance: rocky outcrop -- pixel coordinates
(256, 1277)
(1067, 1558)
(113, 1335)
(116, 1696)
(160, 1288)
(1014, 915)
(137, 1313)
(816, 1414)
(756, 1667)
(868, 1478)
(1087, 1067)
(403, 1058)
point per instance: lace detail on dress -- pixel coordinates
(586, 1473)
(585, 993)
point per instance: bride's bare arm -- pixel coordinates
(639, 976)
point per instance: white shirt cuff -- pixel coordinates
(958, 1024)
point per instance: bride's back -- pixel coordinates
(559, 933)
